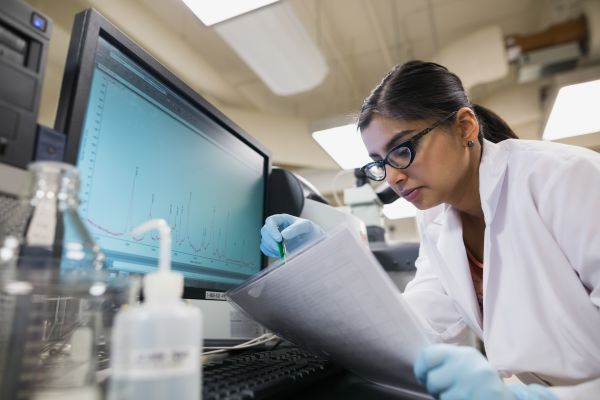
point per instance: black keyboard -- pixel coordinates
(264, 374)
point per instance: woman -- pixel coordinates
(510, 240)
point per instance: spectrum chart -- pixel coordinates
(161, 166)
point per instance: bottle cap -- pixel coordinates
(164, 285)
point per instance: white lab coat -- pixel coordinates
(541, 274)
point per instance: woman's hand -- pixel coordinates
(452, 373)
(283, 227)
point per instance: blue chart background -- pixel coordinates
(138, 163)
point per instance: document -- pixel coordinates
(335, 299)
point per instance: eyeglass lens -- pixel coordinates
(397, 158)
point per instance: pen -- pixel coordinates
(281, 248)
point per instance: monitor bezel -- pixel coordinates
(88, 28)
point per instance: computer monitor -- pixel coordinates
(147, 146)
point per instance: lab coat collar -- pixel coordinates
(492, 168)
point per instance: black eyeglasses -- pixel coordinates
(400, 156)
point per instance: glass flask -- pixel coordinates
(57, 303)
(45, 232)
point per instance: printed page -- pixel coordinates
(335, 299)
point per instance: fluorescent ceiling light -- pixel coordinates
(575, 111)
(211, 12)
(344, 145)
(399, 209)
(274, 43)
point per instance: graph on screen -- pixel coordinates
(140, 159)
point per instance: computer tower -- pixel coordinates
(24, 38)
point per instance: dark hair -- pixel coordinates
(420, 90)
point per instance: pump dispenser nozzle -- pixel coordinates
(163, 285)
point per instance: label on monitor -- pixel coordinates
(215, 296)
(157, 363)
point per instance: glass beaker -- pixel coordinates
(55, 330)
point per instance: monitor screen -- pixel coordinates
(147, 146)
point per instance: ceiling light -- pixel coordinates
(399, 209)
(274, 43)
(212, 12)
(344, 145)
(575, 111)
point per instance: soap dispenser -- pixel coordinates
(156, 346)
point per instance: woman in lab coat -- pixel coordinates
(510, 240)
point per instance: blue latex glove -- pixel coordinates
(462, 373)
(292, 230)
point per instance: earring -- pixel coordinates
(470, 143)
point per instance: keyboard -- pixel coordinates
(264, 374)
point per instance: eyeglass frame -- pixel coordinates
(409, 144)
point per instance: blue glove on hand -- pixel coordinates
(294, 231)
(462, 373)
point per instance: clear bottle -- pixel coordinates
(46, 231)
(157, 345)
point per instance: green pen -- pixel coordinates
(281, 248)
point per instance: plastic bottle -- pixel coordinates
(157, 345)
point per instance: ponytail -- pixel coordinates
(491, 126)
